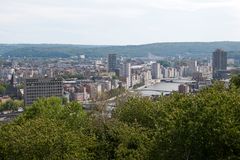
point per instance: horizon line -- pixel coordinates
(76, 44)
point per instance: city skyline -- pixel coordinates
(119, 22)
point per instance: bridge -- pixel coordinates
(177, 80)
(155, 90)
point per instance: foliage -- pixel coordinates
(117, 140)
(47, 130)
(114, 77)
(235, 81)
(138, 85)
(205, 125)
(2, 89)
(11, 105)
(20, 86)
(164, 63)
(115, 92)
(70, 76)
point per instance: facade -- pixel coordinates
(42, 87)
(183, 88)
(156, 71)
(197, 76)
(219, 64)
(126, 73)
(147, 77)
(126, 70)
(192, 67)
(112, 62)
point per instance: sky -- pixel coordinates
(118, 22)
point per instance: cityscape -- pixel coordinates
(86, 80)
(145, 80)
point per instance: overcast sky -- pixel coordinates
(118, 21)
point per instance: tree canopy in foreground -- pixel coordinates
(177, 127)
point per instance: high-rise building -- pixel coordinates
(219, 63)
(156, 71)
(126, 70)
(112, 62)
(126, 73)
(42, 87)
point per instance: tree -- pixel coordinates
(2, 89)
(117, 140)
(48, 130)
(205, 125)
(235, 81)
(11, 105)
(201, 126)
(164, 63)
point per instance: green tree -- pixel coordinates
(48, 130)
(201, 126)
(117, 140)
(2, 89)
(164, 63)
(235, 81)
(11, 105)
(205, 125)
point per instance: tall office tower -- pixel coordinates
(219, 63)
(127, 73)
(156, 71)
(126, 70)
(112, 62)
(42, 87)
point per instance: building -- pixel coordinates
(36, 88)
(147, 77)
(112, 62)
(126, 73)
(156, 71)
(219, 64)
(192, 67)
(126, 70)
(183, 88)
(197, 76)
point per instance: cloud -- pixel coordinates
(17, 10)
(118, 21)
(190, 5)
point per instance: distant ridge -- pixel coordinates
(195, 49)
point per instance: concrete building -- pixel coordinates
(147, 77)
(126, 70)
(219, 64)
(197, 76)
(36, 88)
(156, 71)
(112, 62)
(183, 88)
(192, 67)
(126, 73)
(171, 72)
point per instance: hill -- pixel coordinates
(193, 49)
